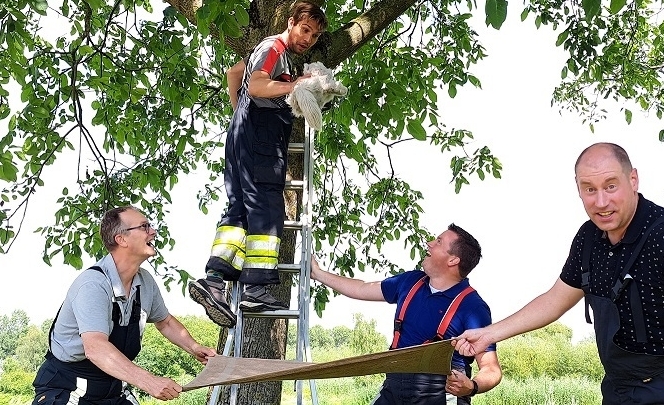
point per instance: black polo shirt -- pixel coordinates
(606, 263)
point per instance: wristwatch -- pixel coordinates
(475, 388)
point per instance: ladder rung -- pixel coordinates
(293, 225)
(289, 267)
(294, 184)
(296, 147)
(281, 313)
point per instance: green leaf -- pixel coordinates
(416, 129)
(241, 15)
(591, 7)
(40, 6)
(628, 116)
(562, 37)
(661, 135)
(396, 89)
(452, 90)
(202, 20)
(8, 171)
(39, 111)
(616, 6)
(496, 12)
(95, 4)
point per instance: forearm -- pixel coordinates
(262, 86)
(350, 287)
(540, 312)
(234, 81)
(176, 333)
(487, 378)
(110, 360)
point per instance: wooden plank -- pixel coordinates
(433, 358)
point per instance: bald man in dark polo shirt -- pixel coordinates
(617, 262)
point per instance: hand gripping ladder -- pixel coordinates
(303, 347)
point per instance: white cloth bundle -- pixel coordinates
(311, 94)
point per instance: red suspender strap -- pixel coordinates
(402, 312)
(451, 310)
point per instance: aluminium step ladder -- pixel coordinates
(234, 338)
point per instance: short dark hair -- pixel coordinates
(466, 248)
(305, 9)
(112, 225)
(618, 153)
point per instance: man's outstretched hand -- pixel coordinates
(471, 342)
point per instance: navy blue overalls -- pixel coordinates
(59, 383)
(255, 176)
(630, 378)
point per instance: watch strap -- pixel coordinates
(475, 388)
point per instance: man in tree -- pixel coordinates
(616, 262)
(436, 302)
(246, 244)
(97, 331)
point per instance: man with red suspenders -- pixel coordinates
(434, 303)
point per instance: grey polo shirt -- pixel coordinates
(88, 307)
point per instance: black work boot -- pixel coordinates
(212, 296)
(255, 298)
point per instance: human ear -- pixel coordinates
(120, 240)
(454, 261)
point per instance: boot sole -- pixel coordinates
(214, 311)
(249, 306)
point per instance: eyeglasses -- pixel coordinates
(146, 227)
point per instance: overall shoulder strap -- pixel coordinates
(451, 310)
(588, 239)
(625, 279)
(402, 312)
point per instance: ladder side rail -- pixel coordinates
(304, 297)
(228, 345)
(237, 341)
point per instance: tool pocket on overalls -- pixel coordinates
(50, 397)
(269, 164)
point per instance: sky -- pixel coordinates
(525, 221)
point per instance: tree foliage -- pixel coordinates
(549, 352)
(11, 328)
(31, 348)
(615, 52)
(135, 98)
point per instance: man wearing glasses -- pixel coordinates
(97, 331)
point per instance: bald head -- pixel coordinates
(604, 150)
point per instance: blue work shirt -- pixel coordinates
(426, 310)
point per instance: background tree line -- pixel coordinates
(540, 367)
